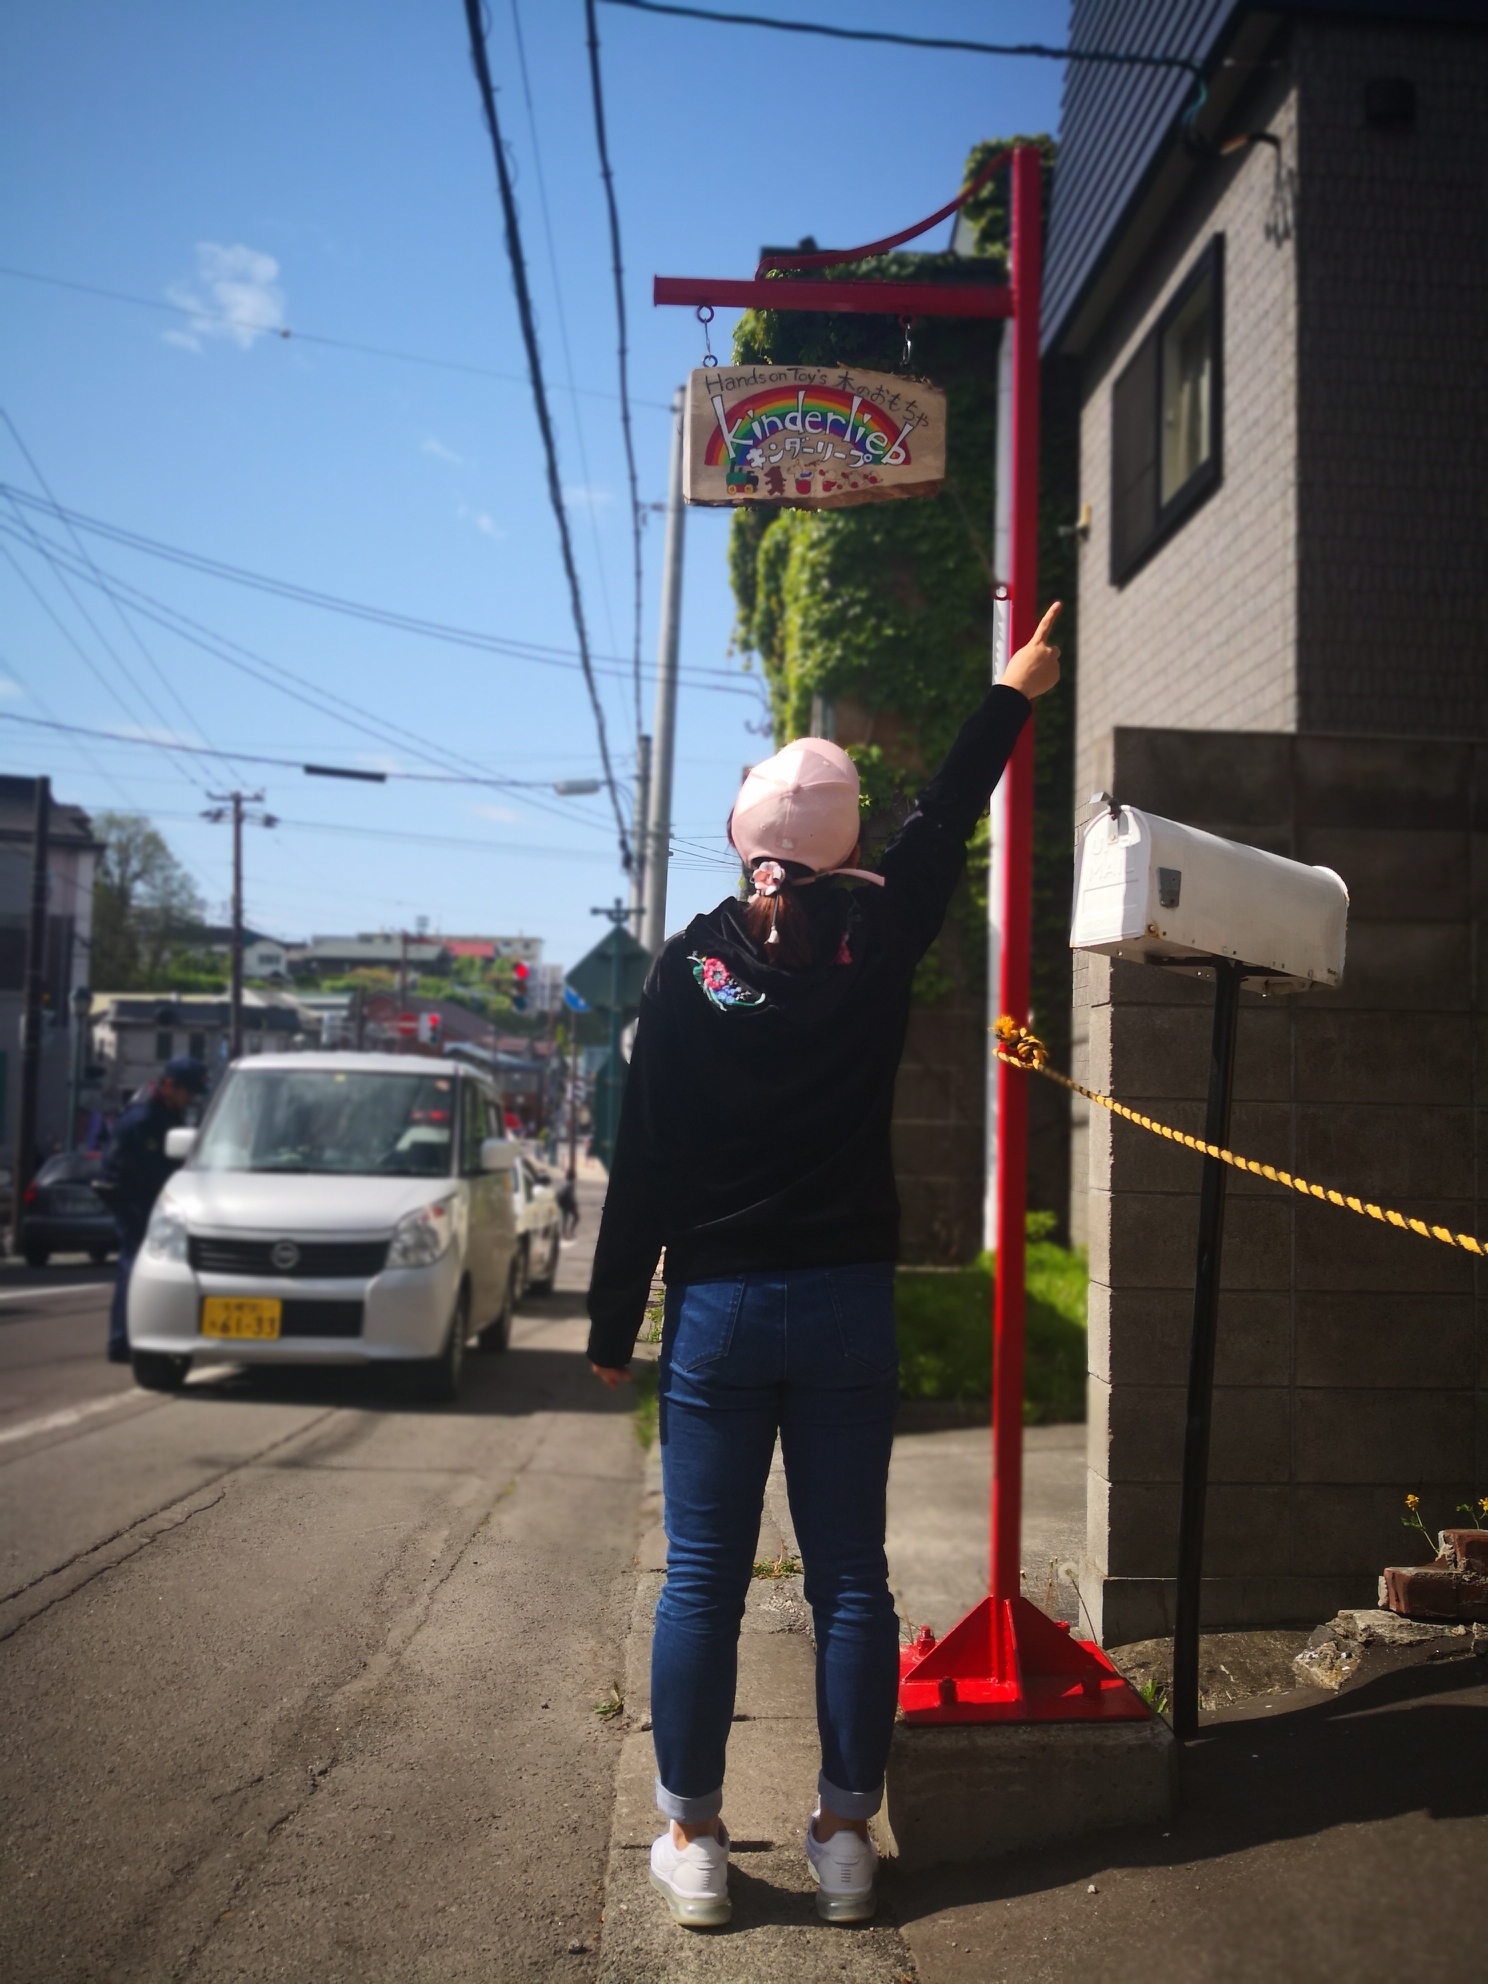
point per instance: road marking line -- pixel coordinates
(54, 1422)
(68, 1288)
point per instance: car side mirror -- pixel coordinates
(178, 1144)
(498, 1155)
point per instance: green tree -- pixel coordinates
(147, 911)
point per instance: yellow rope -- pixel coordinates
(1022, 1049)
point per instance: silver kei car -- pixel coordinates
(332, 1209)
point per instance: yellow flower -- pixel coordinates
(1483, 1505)
(1413, 1501)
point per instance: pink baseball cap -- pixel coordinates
(801, 805)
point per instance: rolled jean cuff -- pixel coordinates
(847, 1804)
(690, 1811)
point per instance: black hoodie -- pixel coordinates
(754, 1131)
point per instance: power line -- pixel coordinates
(61, 625)
(547, 220)
(88, 757)
(1121, 57)
(540, 399)
(289, 764)
(606, 174)
(536, 651)
(404, 838)
(283, 332)
(83, 552)
(218, 646)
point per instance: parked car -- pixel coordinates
(62, 1214)
(539, 1226)
(333, 1209)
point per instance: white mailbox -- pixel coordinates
(1153, 891)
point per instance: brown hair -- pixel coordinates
(785, 914)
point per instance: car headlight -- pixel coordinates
(423, 1236)
(165, 1237)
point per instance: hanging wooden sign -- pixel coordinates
(813, 437)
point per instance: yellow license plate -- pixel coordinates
(240, 1316)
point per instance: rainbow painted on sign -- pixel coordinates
(828, 423)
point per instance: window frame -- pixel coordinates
(1206, 478)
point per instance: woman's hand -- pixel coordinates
(1034, 669)
(607, 1374)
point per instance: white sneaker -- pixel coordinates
(843, 1868)
(694, 1881)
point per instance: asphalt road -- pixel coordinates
(299, 1682)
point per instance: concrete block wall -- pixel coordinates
(1353, 1360)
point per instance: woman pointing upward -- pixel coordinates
(753, 1146)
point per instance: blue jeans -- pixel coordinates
(810, 1353)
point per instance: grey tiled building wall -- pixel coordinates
(1392, 368)
(1303, 665)
(1353, 1359)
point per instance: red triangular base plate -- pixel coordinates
(1008, 1662)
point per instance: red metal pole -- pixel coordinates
(1017, 894)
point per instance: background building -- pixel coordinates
(1283, 637)
(72, 859)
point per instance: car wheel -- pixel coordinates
(36, 1254)
(155, 1371)
(544, 1282)
(496, 1336)
(438, 1379)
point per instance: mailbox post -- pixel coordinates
(1153, 891)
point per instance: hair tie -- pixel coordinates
(766, 878)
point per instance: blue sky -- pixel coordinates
(325, 168)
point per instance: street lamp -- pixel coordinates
(82, 1005)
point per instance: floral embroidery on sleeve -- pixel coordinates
(722, 988)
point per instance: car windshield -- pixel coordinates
(319, 1119)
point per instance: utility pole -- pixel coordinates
(31, 1015)
(664, 723)
(638, 835)
(233, 806)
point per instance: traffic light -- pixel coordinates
(521, 971)
(428, 1029)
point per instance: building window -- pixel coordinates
(164, 1046)
(1165, 418)
(196, 1046)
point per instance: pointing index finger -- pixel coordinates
(1041, 631)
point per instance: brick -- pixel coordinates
(1435, 1592)
(1388, 1154)
(1344, 1056)
(1407, 967)
(1371, 1435)
(1366, 1338)
(1394, 872)
(1468, 1548)
(1369, 783)
(1339, 1250)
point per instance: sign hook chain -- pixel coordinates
(705, 318)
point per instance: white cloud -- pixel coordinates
(484, 522)
(502, 813)
(236, 295)
(586, 496)
(430, 446)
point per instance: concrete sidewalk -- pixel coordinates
(1318, 1832)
